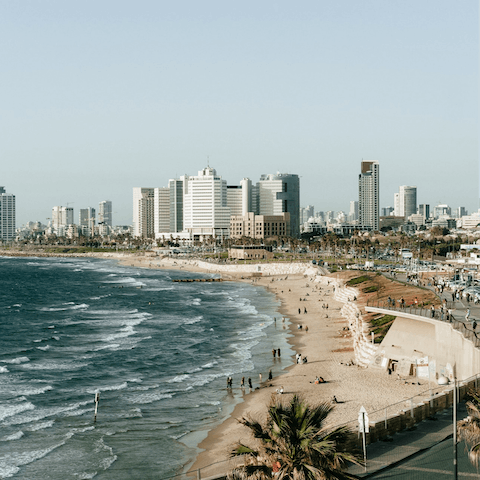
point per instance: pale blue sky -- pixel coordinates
(98, 97)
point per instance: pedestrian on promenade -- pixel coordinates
(467, 315)
(433, 311)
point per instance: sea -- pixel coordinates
(158, 353)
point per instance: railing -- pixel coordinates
(464, 327)
(218, 470)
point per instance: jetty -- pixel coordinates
(188, 280)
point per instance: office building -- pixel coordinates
(105, 213)
(353, 213)
(62, 217)
(7, 215)
(424, 209)
(386, 211)
(143, 212)
(161, 210)
(280, 193)
(369, 195)
(406, 201)
(235, 199)
(176, 205)
(259, 226)
(86, 221)
(205, 209)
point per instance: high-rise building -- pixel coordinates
(387, 211)
(280, 193)
(62, 217)
(161, 202)
(105, 213)
(406, 201)
(247, 196)
(7, 215)
(143, 212)
(205, 209)
(235, 199)
(306, 213)
(86, 221)
(424, 209)
(176, 205)
(369, 195)
(353, 213)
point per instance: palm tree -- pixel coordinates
(295, 444)
(468, 429)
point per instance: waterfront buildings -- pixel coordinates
(7, 215)
(61, 218)
(143, 212)
(259, 226)
(105, 213)
(205, 209)
(280, 193)
(369, 195)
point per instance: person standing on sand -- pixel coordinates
(270, 375)
(278, 353)
(242, 383)
(304, 310)
(274, 352)
(250, 383)
(299, 311)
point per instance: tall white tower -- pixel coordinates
(7, 215)
(205, 210)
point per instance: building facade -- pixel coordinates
(280, 193)
(7, 215)
(369, 195)
(259, 226)
(205, 209)
(143, 212)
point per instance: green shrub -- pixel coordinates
(357, 280)
(378, 322)
(370, 289)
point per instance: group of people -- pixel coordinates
(249, 380)
(276, 352)
(299, 358)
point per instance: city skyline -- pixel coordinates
(106, 97)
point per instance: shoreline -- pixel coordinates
(328, 346)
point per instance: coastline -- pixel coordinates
(328, 346)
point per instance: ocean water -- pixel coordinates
(158, 352)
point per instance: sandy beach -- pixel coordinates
(326, 342)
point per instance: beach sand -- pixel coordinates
(328, 347)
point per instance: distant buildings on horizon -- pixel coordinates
(7, 215)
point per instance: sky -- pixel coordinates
(98, 97)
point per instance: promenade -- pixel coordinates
(427, 451)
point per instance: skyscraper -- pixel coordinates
(369, 195)
(143, 212)
(176, 205)
(280, 193)
(105, 213)
(87, 221)
(406, 201)
(205, 210)
(62, 217)
(7, 215)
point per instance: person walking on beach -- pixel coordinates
(270, 375)
(242, 383)
(304, 310)
(274, 352)
(278, 353)
(299, 311)
(250, 383)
